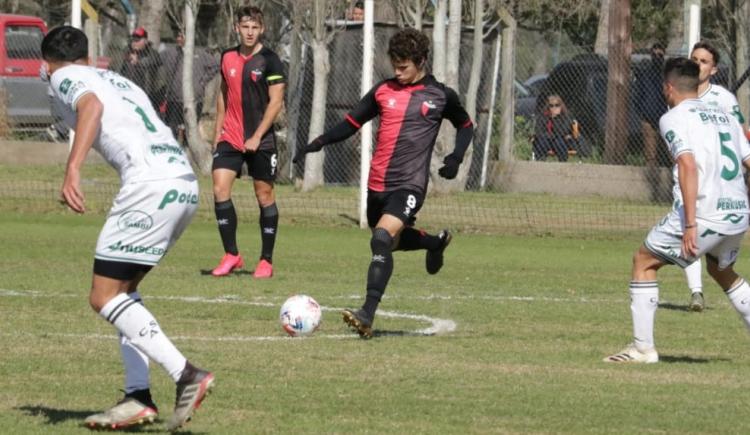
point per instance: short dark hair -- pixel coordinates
(409, 44)
(65, 44)
(657, 46)
(251, 13)
(709, 48)
(682, 73)
(359, 5)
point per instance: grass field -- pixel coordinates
(533, 317)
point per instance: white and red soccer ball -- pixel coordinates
(300, 315)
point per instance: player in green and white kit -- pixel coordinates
(716, 96)
(710, 209)
(157, 200)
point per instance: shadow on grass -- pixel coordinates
(384, 333)
(57, 416)
(689, 359)
(234, 272)
(678, 307)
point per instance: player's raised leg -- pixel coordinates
(412, 239)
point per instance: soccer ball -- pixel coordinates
(300, 315)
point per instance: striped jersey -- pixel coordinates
(247, 79)
(410, 118)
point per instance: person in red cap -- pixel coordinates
(142, 64)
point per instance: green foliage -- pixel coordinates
(523, 135)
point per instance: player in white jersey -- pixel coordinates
(716, 96)
(157, 199)
(710, 210)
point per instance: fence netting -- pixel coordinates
(559, 120)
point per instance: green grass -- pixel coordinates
(534, 316)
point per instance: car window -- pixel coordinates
(23, 42)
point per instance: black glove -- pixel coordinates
(450, 167)
(312, 147)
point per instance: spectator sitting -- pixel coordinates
(357, 13)
(143, 66)
(555, 130)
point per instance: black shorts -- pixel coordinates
(261, 165)
(403, 204)
(119, 270)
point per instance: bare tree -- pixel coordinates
(410, 12)
(602, 32)
(618, 84)
(316, 14)
(199, 149)
(150, 18)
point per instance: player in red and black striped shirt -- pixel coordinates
(252, 94)
(411, 106)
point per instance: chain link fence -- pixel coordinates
(541, 190)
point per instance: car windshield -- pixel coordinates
(23, 42)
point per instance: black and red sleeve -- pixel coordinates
(456, 114)
(365, 110)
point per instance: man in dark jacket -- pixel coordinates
(142, 64)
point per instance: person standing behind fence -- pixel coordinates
(411, 107)
(111, 114)
(144, 67)
(252, 95)
(651, 105)
(713, 95)
(555, 130)
(205, 67)
(710, 210)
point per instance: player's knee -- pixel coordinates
(381, 241)
(222, 193)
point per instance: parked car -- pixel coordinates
(535, 83)
(27, 103)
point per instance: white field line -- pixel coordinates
(437, 326)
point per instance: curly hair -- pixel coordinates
(409, 44)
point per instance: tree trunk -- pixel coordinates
(508, 76)
(314, 176)
(199, 150)
(618, 84)
(438, 41)
(447, 136)
(150, 18)
(602, 31)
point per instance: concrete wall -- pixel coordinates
(38, 153)
(575, 179)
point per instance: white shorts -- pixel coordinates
(664, 241)
(146, 219)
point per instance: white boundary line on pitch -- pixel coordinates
(437, 327)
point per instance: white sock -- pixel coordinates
(739, 296)
(693, 275)
(134, 361)
(136, 323)
(644, 300)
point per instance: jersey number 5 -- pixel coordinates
(726, 173)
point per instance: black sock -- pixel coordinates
(381, 268)
(412, 239)
(226, 218)
(269, 224)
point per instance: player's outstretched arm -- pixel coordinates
(339, 132)
(89, 110)
(452, 161)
